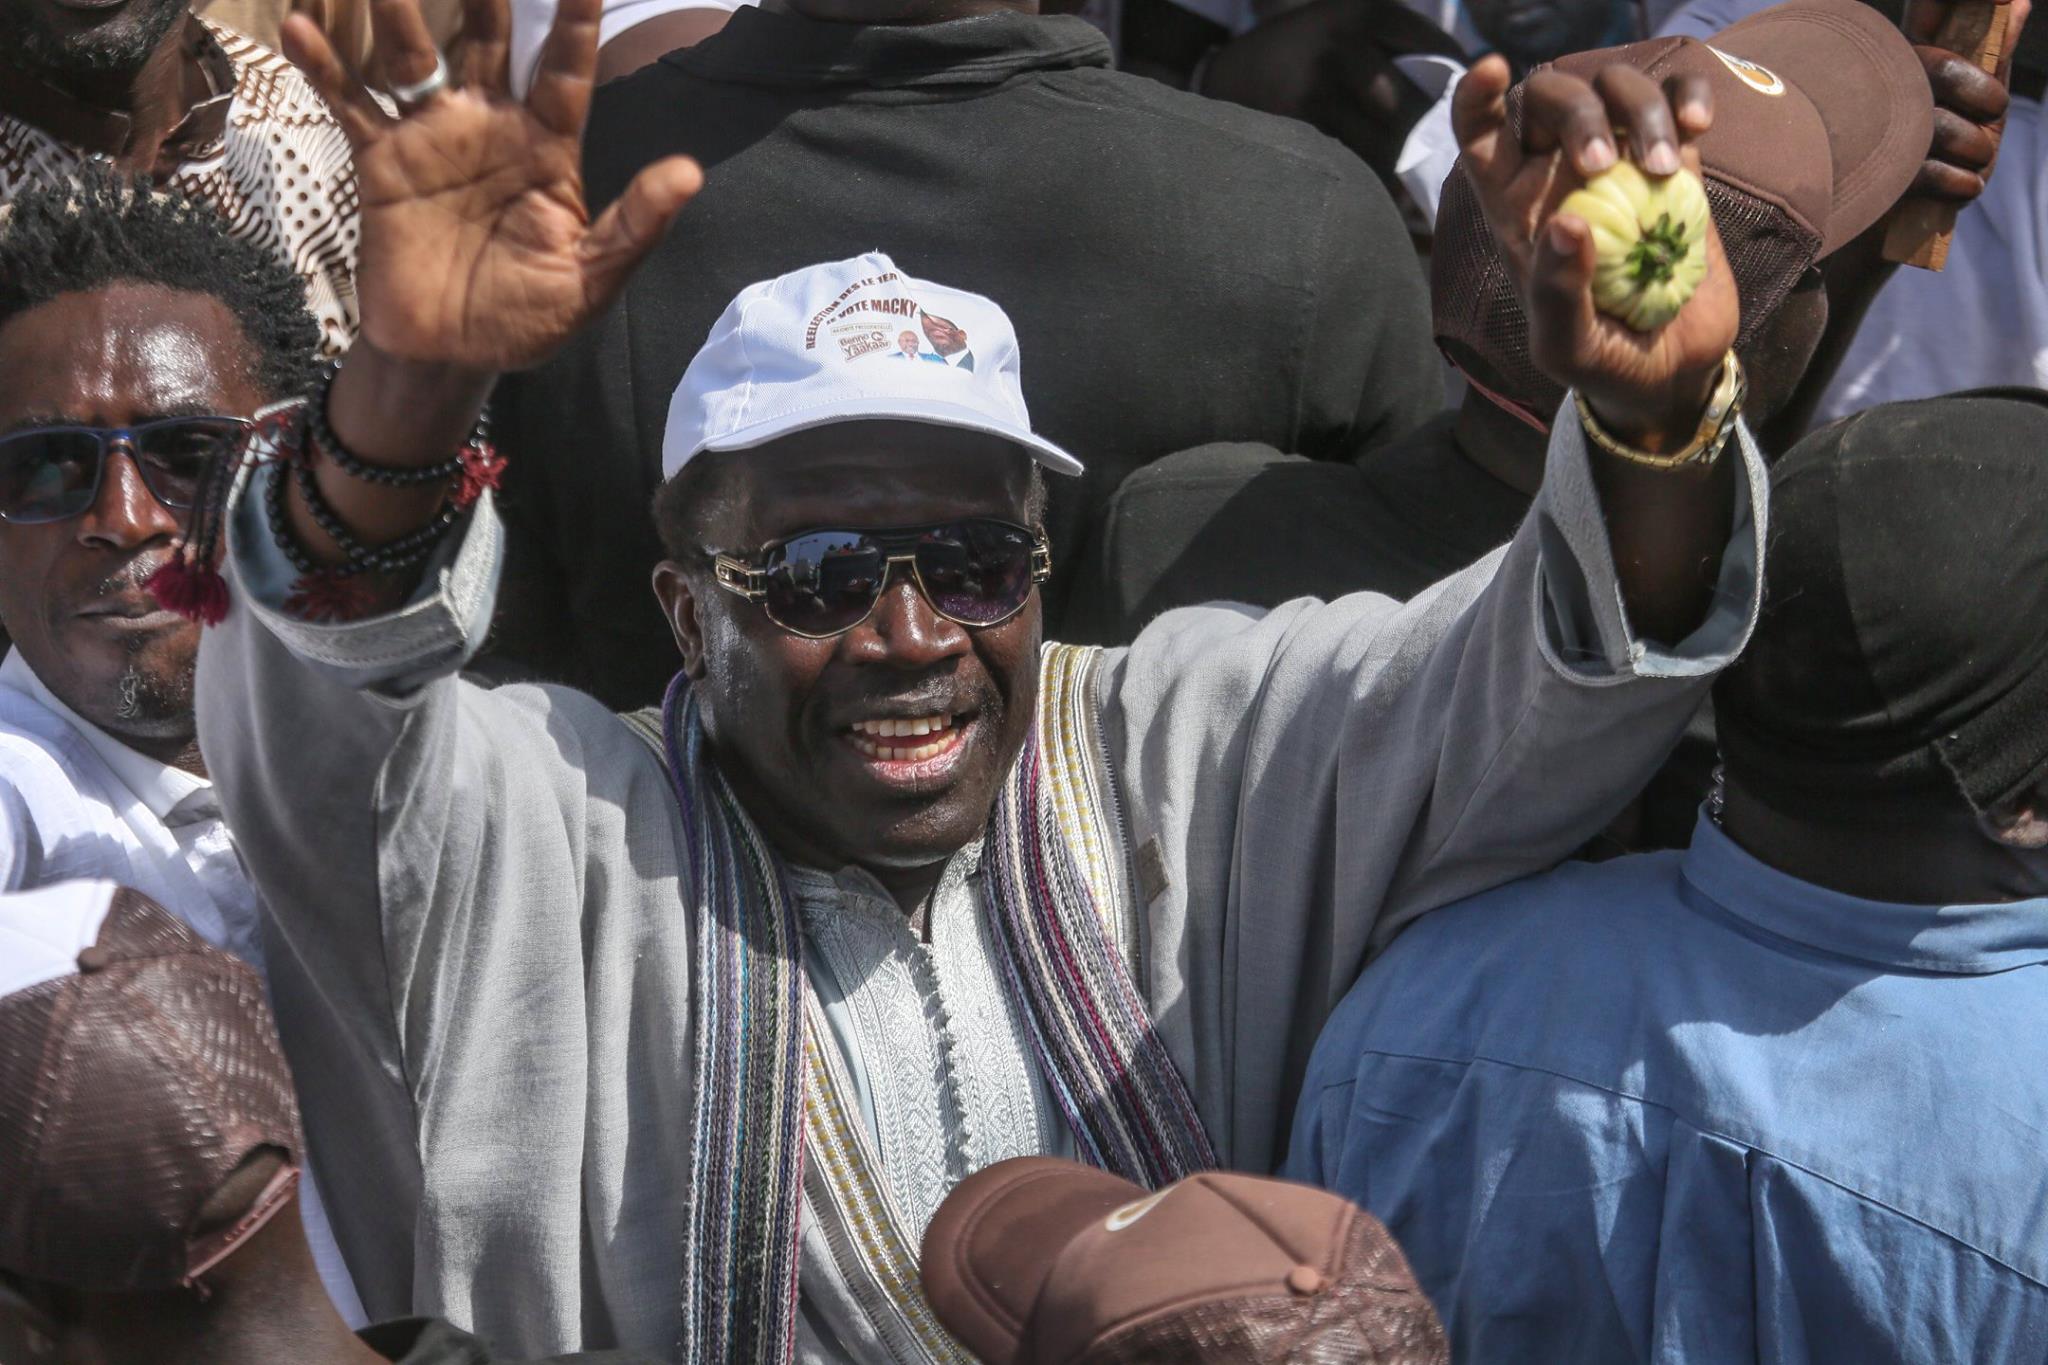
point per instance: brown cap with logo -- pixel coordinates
(1822, 117)
(1043, 1262)
(131, 1088)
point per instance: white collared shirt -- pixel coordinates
(77, 804)
(219, 902)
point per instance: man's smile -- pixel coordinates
(910, 751)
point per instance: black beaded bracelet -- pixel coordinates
(402, 553)
(358, 558)
(349, 463)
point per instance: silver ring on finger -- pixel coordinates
(419, 92)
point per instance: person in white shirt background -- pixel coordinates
(137, 336)
(630, 33)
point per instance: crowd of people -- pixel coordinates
(1221, 764)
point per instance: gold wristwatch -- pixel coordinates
(1717, 424)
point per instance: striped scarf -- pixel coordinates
(746, 1140)
(1048, 845)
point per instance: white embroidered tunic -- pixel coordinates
(938, 1050)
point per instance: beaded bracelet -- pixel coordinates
(353, 465)
(402, 553)
(349, 590)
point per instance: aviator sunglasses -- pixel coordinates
(53, 473)
(978, 572)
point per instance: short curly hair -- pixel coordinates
(96, 228)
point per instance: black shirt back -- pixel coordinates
(1244, 523)
(1179, 271)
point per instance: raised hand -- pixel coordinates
(1648, 387)
(477, 249)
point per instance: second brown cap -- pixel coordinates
(1822, 117)
(1044, 1262)
(131, 1089)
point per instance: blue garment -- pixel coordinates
(1683, 1107)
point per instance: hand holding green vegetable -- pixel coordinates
(1649, 241)
(1624, 329)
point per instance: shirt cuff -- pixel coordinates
(1583, 623)
(433, 633)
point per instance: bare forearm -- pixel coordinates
(397, 414)
(1667, 527)
(655, 38)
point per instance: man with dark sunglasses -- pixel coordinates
(137, 337)
(671, 1031)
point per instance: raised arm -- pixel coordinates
(1300, 784)
(398, 820)
(478, 255)
(1649, 389)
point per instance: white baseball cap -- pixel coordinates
(850, 341)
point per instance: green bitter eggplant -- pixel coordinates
(1649, 241)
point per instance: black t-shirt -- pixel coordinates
(1179, 270)
(430, 1341)
(1246, 524)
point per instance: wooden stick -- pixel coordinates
(1920, 229)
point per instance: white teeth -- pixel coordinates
(893, 727)
(866, 732)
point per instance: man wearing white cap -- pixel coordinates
(672, 1030)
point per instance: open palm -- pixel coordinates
(477, 248)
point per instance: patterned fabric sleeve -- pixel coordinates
(285, 179)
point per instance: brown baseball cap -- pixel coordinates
(135, 1079)
(1822, 117)
(1044, 1262)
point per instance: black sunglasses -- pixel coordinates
(53, 473)
(977, 571)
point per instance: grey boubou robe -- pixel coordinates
(481, 950)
